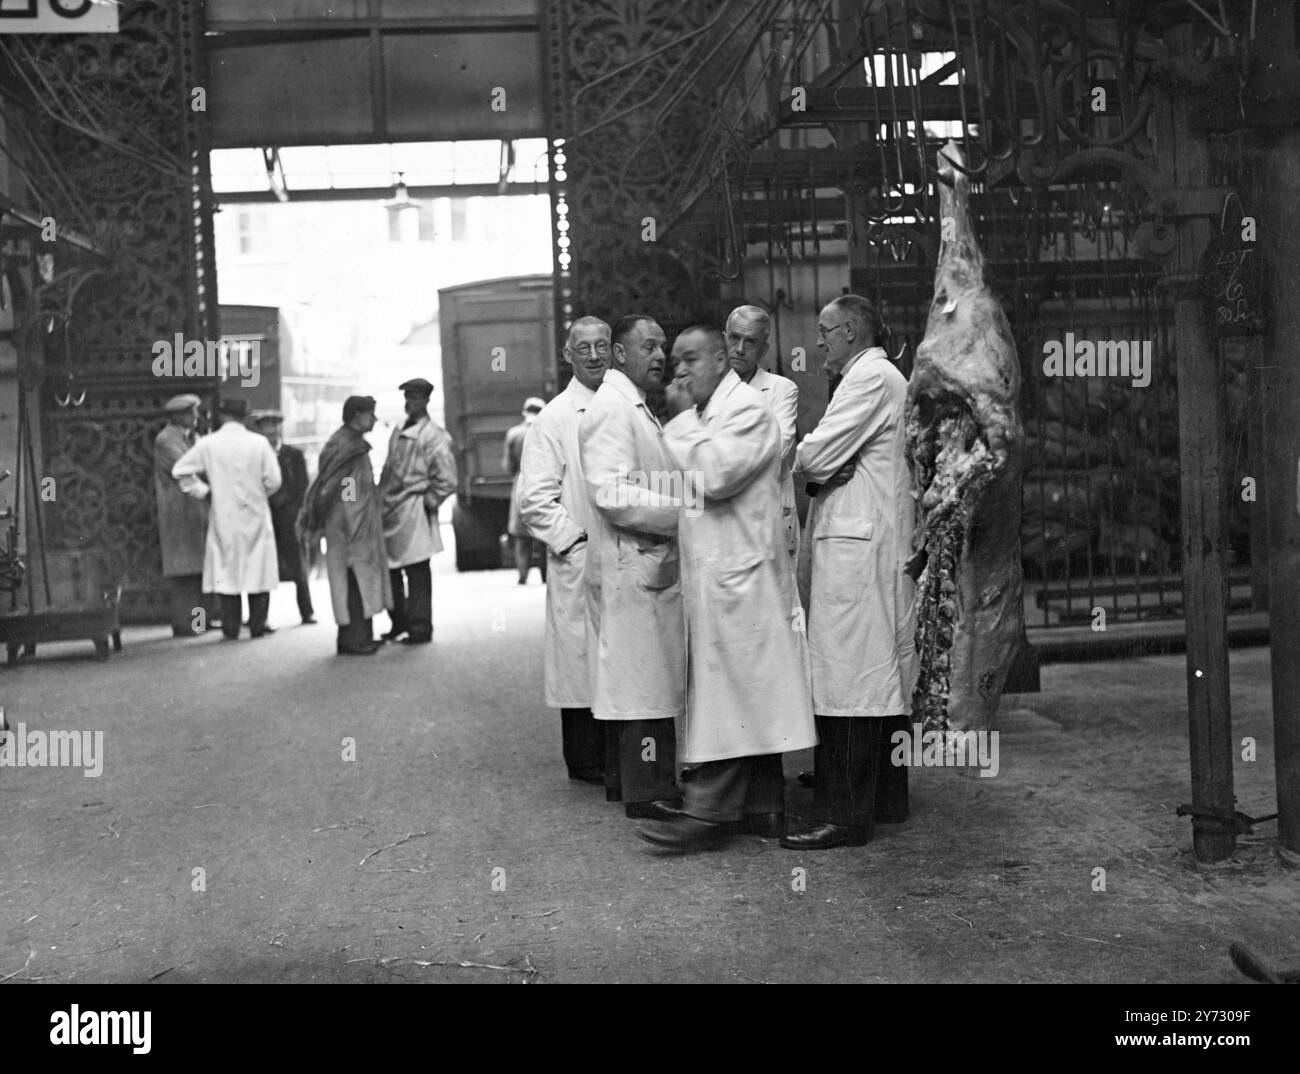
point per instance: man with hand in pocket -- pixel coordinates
(748, 699)
(861, 621)
(637, 644)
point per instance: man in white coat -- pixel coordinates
(860, 615)
(553, 505)
(748, 697)
(749, 329)
(238, 469)
(419, 473)
(638, 639)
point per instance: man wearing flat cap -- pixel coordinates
(419, 473)
(182, 520)
(344, 505)
(239, 471)
(285, 505)
(520, 537)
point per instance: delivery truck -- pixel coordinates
(498, 348)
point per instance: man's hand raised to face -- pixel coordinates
(676, 397)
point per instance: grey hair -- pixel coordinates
(753, 313)
(865, 317)
(585, 322)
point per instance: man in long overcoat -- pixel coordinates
(286, 503)
(748, 695)
(634, 594)
(238, 469)
(343, 503)
(512, 456)
(182, 520)
(419, 473)
(553, 505)
(861, 619)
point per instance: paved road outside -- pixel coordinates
(453, 848)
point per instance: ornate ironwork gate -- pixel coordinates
(111, 133)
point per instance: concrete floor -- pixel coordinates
(228, 758)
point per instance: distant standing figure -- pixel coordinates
(521, 538)
(419, 473)
(238, 469)
(182, 520)
(285, 505)
(344, 505)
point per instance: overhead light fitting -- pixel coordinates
(401, 198)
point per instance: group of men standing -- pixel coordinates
(235, 508)
(678, 647)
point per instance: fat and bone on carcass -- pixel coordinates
(964, 441)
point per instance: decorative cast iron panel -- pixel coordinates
(120, 154)
(612, 64)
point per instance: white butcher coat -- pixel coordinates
(782, 397)
(861, 619)
(239, 470)
(553, 505)
(637, 645)
(419, 473)
(748, 691)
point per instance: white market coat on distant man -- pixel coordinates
(748, 690)
(419, 473)
(238, 468)
(553, 505)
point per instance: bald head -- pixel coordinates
(748, 331)
(700, 354)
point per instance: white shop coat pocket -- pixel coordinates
(729, 597)
(842, 564)
(656, 565)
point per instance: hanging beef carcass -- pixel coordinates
(964, 442)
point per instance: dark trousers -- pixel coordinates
(527, 551)
(187, 596)
(855, 780)
(304, 595)
(412, 599)
(358, 631)
(232, 612)
(629, 776)
(584, 743)
(732, 789)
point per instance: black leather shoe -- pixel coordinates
(368, 648)
(395, 634)
(411, 639)
(661, 810)
(261, 632)
(764, 825)
(826, 836)
(682, 835)
(806, 779)
(309, 621)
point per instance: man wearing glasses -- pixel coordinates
(748, 330)
(860, 616)
(553, 505)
